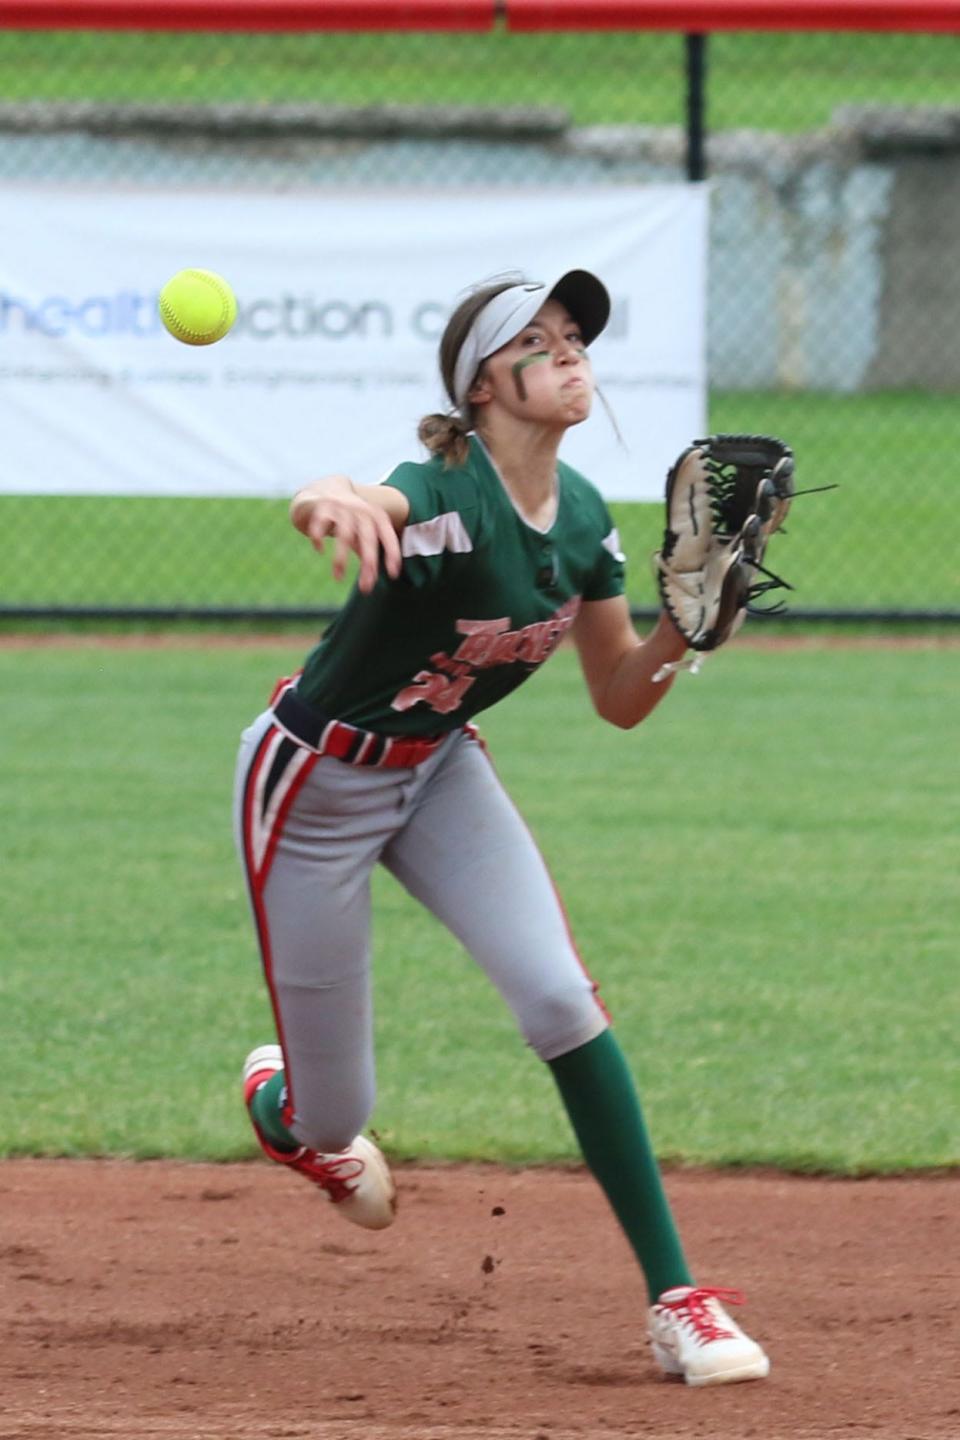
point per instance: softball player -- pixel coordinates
(473, 566)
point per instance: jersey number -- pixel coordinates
(442, 693)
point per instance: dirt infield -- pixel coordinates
(245, 639)
(202, 1302)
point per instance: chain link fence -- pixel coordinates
(834, 293)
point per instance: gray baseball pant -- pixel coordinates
(310, 829)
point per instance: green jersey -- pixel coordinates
(483, 598)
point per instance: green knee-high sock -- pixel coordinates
(266, 1107)
(600, 1097)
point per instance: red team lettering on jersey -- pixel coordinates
(486, 643)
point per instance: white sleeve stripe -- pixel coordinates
(611, 542)
(432, 537)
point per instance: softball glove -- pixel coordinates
(725, 497)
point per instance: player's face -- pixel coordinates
(543, 374)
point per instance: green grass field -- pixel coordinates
(856, 547)
(774, 82)
(762, 878)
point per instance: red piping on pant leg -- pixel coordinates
(257, 878)
(563, 911)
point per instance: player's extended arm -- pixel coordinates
(618, 666)
(366, 519)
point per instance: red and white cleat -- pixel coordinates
(356, 1180)
(693, 1336)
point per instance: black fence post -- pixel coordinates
(696, 51)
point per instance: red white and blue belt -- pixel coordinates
(317, 732)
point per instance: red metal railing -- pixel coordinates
(703, 16)
(684, 16)
(247, 15)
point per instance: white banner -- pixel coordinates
(332, 362)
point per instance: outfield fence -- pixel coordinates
(830, 135)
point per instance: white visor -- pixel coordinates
(503, 317)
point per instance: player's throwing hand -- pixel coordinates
(359, 520)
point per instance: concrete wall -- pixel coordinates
(918, 335)
(834, 256)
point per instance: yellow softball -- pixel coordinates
(197, 307)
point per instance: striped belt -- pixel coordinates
(324, 736)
